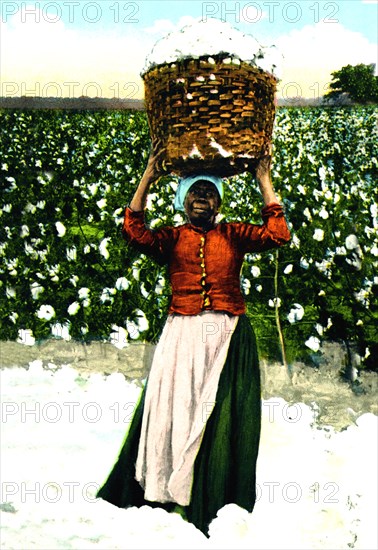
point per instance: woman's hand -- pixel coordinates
(264, 165)
(153, 171)
(155, 164)
(263, 176)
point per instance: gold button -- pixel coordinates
(202, 264)
(206, 301)
(203, 293)
(203, 273)
(202, 239)
(203, 283)
(201, 254)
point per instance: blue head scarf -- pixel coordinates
(186, 183)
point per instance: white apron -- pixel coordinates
(180, 396)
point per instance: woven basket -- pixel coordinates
(211, 116)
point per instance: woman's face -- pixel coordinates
(202, 203)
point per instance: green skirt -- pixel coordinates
(225, 466)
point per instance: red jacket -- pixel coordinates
(204, 267)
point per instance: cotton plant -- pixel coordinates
(62, 211)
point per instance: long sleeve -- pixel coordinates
(272, 233)
(157, 244)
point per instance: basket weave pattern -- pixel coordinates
(219, 111)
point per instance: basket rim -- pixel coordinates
(219, 59)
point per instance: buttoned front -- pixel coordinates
(204, 267)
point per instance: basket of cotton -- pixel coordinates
(210, 98)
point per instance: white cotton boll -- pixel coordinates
(159, 288)
(374, 250)
(36, 290)
(296, 241)
(220, 149)
(351, 242)
(322, 173)
(132, 329)
(258, 288)
(178, 219)
(143, 291)
(324, 214)
(84, 293)
(30, 208)
(73, 308)
(140, 324)
(313, 343)
(53, 272)
(318, 235)
(194, 153)
(122, 283)
(60, 229)
(142, 320)
(154, 223)
(101, 203)
(61, 331)
(12, 182)
(255, 270)
(151, 198)
(276, 302)
(288, 269)
(25, 231)
(107, 295)
(13, 317)
(301, 189)
(119, 337)
(103, 248)
(246, 284)
(296, 313)
(307, 213)
(12, 266)
(304, 263)
(10, 292)
(46, 312)
(71, 254)
(93, 188)
(25, 336)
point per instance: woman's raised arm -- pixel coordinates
(153, 171)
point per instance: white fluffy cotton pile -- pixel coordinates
(213, 37)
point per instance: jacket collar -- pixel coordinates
(198, 229)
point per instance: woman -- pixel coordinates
(193, 442)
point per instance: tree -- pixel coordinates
(357, 82)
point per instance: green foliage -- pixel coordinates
(66, 176)
(358, 81)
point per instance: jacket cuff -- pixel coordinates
(272, 209)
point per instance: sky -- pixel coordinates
(73, 48)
